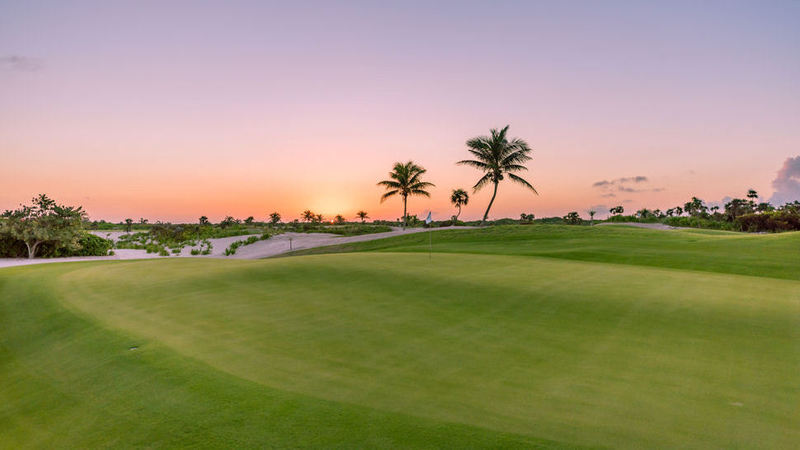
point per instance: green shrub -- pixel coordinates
(88, 245)
(449, 223)
(504, 221)
(699, 222)
(12, 248)
(550, 220)
(573, 218)
(772, 221)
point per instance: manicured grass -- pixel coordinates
(771, 255)
(482, 345)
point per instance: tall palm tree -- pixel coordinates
(362, 215)
(459, 198)
(497, 157)
(405, 181)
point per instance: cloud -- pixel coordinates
(636, 179)
(20, 63)
(618, 181)
(787, 182)
(623, 185)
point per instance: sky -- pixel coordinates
(170, 110)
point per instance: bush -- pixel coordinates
(12, 248)
(449, 223)
(504, 221)
(573, 218)
(699, 222)
(550, 220)
(772, 221)
(88, 245)
(620, 218)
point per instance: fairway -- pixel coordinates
(541, 336)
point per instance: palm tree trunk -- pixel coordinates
(405, 201)
(486, 214)
(459, 212)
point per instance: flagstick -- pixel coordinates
(430, 242)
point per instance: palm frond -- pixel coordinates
(479, 143)
(522, 181)
(389, 184)
(482, 182)
(419, 192)
(476, 164)
(421, 185)
(515, 158)
(514, 167)
(388, 194)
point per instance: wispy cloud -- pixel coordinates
(787, 182)
(623, 180)
(20, 63)
(624, 184)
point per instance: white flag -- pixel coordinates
(428, 219)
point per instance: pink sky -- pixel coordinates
(240, 108)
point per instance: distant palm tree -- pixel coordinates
(362, 215)
(459, 198)
(405, 181)
(497, 157)
(591, 216)
(274, 218)
(308, 215)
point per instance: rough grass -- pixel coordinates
(483, 345)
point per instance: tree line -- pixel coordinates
(739, 214)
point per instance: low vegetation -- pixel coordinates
(231, 250)
(738, 214)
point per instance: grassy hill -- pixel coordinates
(540, 336)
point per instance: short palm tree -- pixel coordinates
(308, 215)
(362, 215)
(405, 181)
(459, 198)
(497, 157)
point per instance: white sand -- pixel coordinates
(275, 245)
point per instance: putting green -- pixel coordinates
(482, 345)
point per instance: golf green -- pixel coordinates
(507, 337)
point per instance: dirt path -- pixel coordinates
(275, 245)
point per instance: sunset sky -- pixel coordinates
(170, 110)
